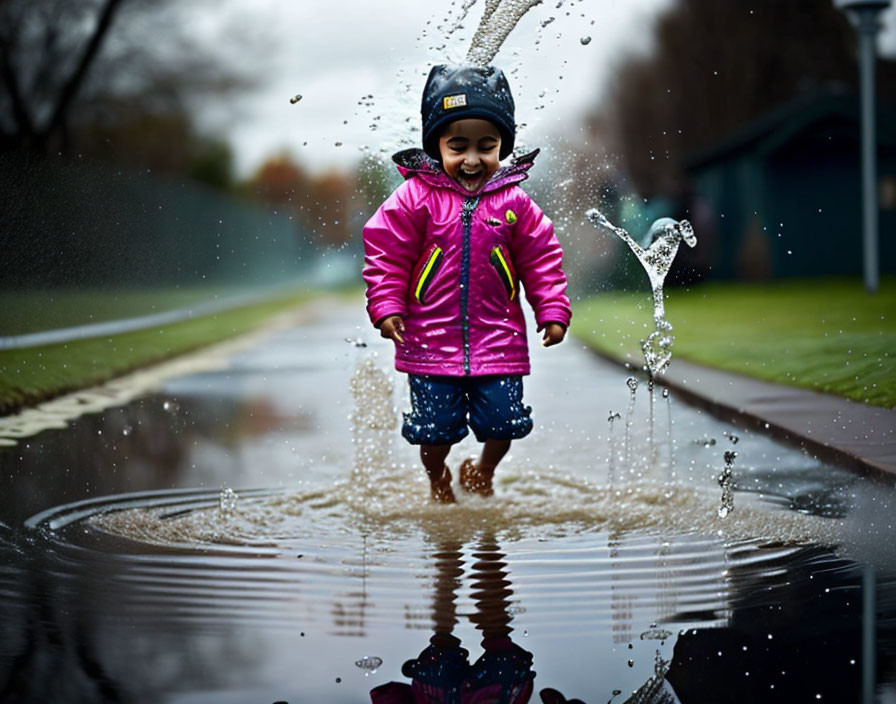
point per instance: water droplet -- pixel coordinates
(654, 633)
(631, 663)
(294, 99)
(369, 663)
(585, 40)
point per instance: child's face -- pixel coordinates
(469, 150)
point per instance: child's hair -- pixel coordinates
(460, 92)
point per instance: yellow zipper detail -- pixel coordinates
(426, 272)
(499, 256)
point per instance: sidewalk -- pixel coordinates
(859, 436)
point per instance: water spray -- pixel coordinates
(725, 481)
(665, 235)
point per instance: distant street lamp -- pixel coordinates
(866, 18)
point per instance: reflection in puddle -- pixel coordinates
(580, 612)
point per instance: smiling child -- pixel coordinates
(445, 255)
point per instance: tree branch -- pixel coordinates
(73, 84)
(8, 75)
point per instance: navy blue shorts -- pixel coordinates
(443, 406)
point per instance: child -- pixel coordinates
(444, 257)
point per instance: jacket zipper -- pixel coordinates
(466, 218)
(428, 273)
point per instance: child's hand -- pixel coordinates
(553, 334)
(392, 327)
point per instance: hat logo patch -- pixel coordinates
(454, 101)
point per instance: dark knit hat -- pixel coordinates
(461, 92)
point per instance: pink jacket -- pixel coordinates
(450, 263)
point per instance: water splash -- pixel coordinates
(665, 235)
(371, 389)
(373, 417)
(611, 463)
(632, 384)
(669, 439)
(498, 20)
(227, 501)
(726, 480)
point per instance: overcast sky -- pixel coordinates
(335, 53)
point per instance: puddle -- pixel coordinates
(253, 533)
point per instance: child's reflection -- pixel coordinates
(442, 673)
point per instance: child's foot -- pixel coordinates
(474, 480)
(440, 489)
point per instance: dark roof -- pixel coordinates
(776, 126)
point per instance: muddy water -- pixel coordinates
(601, 561)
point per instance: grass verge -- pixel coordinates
(820, 334)
(46, 309)
(31, 375)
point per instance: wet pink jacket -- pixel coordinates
(450, 263)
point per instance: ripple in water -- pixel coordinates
(393, 499)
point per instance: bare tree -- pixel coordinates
(77, 74)
(46, 52)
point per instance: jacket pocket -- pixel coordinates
(427, 270)
(500, 261)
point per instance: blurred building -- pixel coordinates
(786, 189)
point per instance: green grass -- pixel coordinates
(29, 376)
(47, 309)
(821, 334)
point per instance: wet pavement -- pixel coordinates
(601, 564)
(855, 434)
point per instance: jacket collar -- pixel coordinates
(416, 162)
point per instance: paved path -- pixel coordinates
(858, 435)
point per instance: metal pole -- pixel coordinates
(868, 27)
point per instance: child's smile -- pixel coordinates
(469, 149)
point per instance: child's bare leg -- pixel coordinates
(433, 458)
(477, 477)
(493, 452)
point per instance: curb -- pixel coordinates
(854, 435)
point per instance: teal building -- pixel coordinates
(785, 192)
